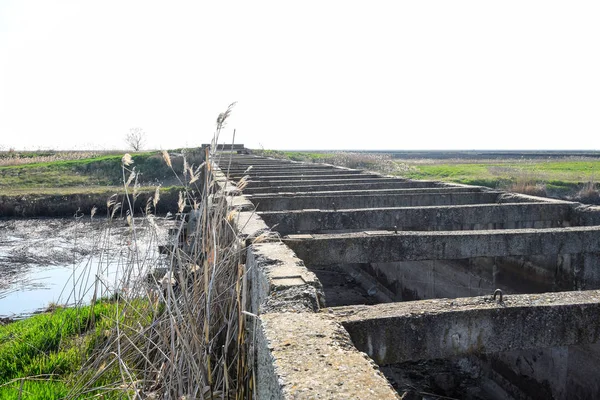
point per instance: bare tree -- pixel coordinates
(136, 139)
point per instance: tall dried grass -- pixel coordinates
(589, 193)
(529, 187)
(193, 345)
(383, 163)
(10, 158)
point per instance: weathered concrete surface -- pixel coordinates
(316, 186)
(301, 177)
(586, 215)
(431, 279)
(280, 281)
(434, 279)
(540, 259)
(297, 172)
(310, 356)
(377, 200)
(250, 227)
(464, 217)
(384, 246)
(326, 182)
(357, 192)
(525, 198)
(240, 203)
(398, 332)
(278, 168)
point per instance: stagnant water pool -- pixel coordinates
(64, 261)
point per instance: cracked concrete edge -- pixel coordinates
(250, 227)
(233, 195)
(464, 185)
(509, 197)
(309, 356)
(300, 353)
(585, 215)
(280, 281)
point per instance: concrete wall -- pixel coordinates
(334, 202)
(442, 218)
(452, 249)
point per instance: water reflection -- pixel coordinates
(40, 264)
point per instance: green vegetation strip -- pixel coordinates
(103, 170)
(558, 175)
(39, 356)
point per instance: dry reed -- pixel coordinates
(187, 338)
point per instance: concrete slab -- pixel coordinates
(444, 245)
(323, 182)
(280, 281)
(465, 217)
(431, 329)
(341, 193)
(375, 200)
(319, 186)
(296, 172)
(278, 168)
(310, 356)
(305, 177)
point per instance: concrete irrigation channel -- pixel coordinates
(374, 287)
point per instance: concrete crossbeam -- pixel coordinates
(499, 216)
(298, 172)
(331, 201)
(304, 177)
(384, 246)
(277, 168)
(433, 329)
(308, 356)
(342, 186)
(323, 182)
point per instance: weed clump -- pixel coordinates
(529, 187)
(179, 334)
(589, 193)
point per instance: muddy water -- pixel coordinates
(64, 261)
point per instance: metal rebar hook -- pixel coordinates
(498, 292)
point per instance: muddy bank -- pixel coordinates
(65, 260)
(53, 205)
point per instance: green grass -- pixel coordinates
(556, 175)
(104, 170)
(40, 355)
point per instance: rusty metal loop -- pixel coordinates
(498, 292)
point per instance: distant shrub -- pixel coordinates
(529, 187)
(589, 193)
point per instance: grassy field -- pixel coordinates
(558, 174)
(41, 355)
(32, 183)
(85, 173)
(564, 177)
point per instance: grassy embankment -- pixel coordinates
(41, 356)
(558, 177)
(33, 184)
(182, 336)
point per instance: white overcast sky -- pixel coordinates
(306, 74)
